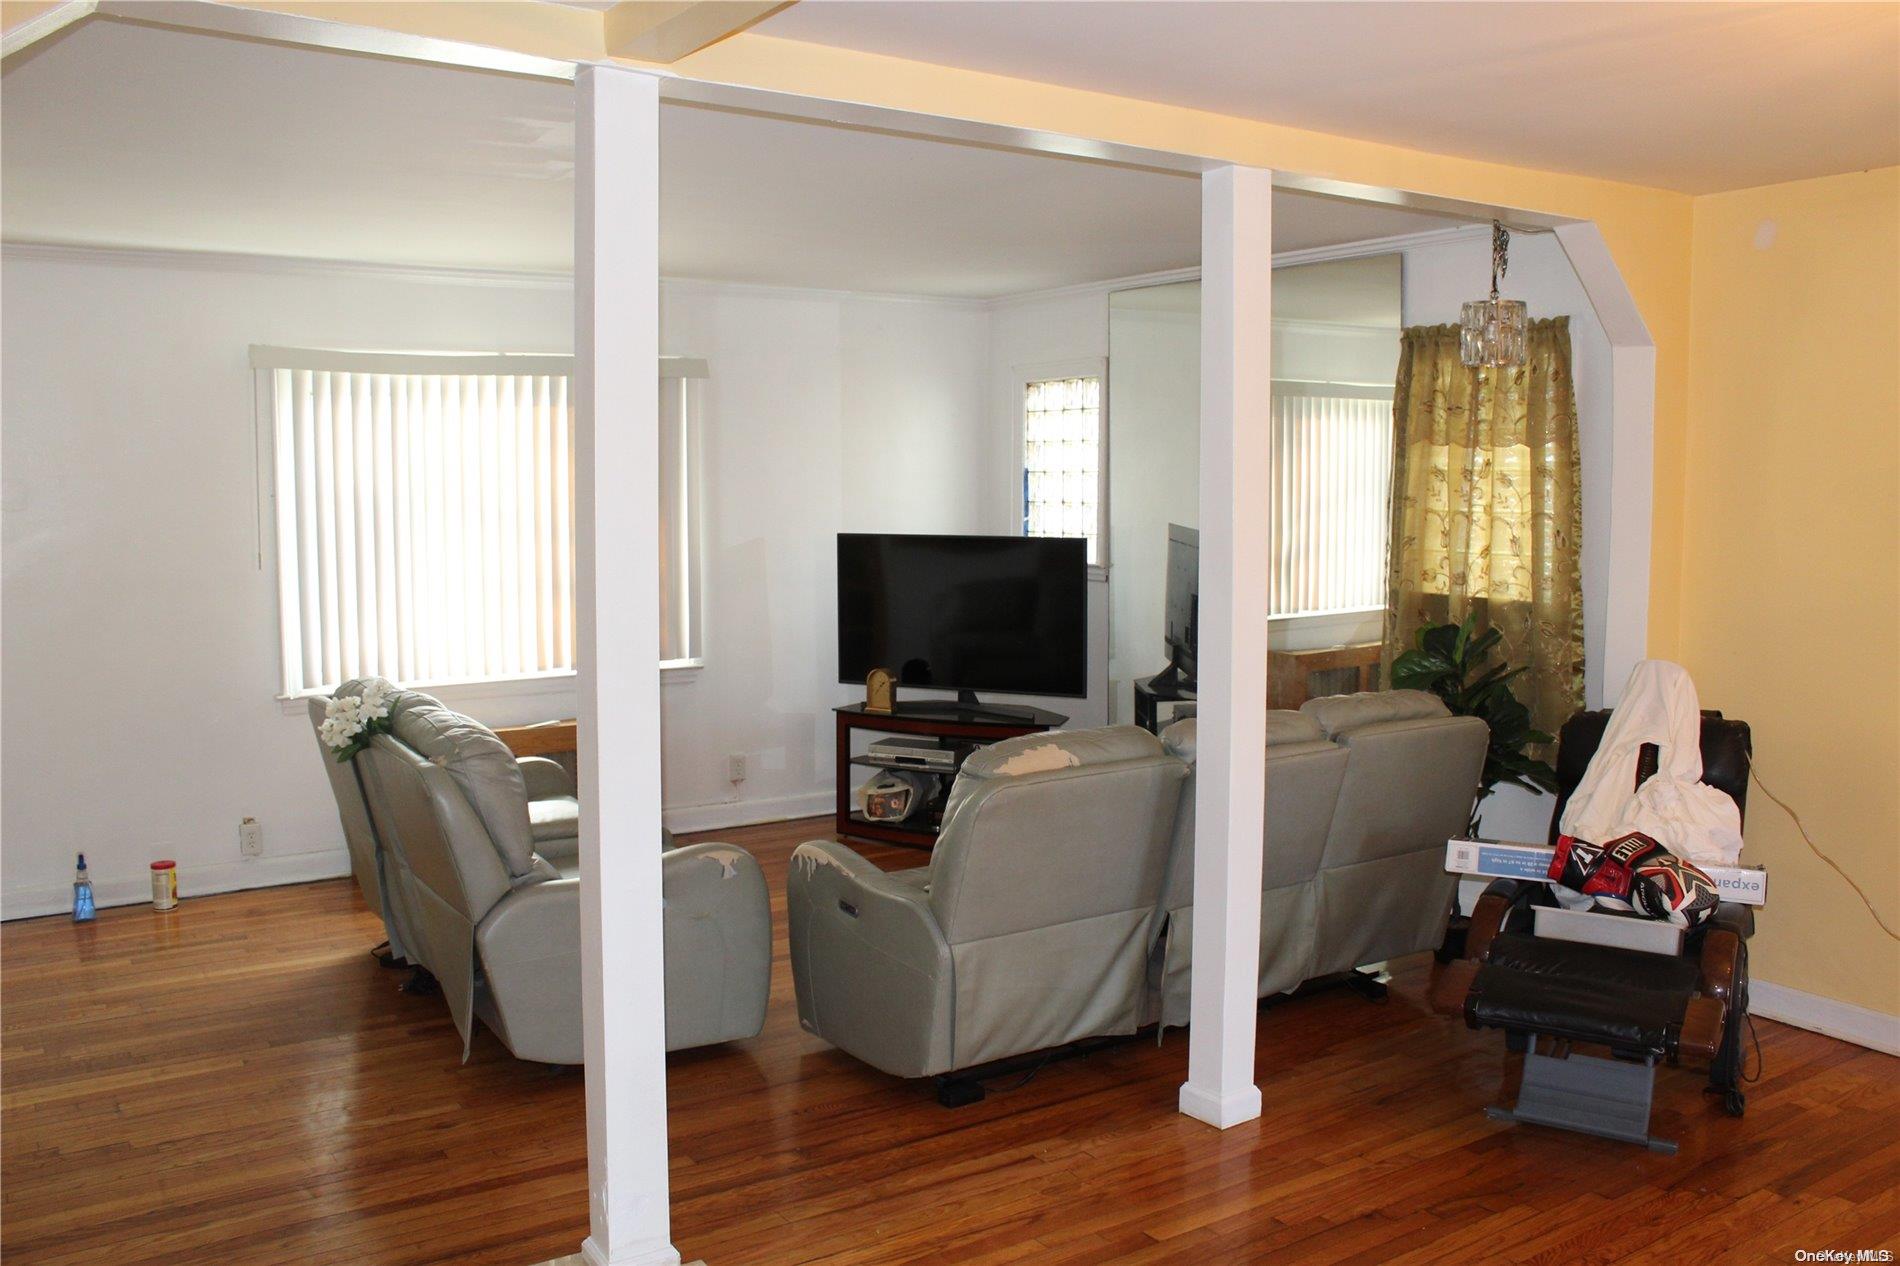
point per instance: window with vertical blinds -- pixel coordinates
(1333, 472)
(424, 510)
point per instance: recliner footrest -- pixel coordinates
(1604, 1097)
(1628, 1000)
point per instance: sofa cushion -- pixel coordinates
(1182, 739)
(1339, 715)
(401, 698)
(1060, 749)
(554, 817)
(484, 770)
(1285, 729)
(1287, 734)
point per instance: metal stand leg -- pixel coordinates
(965, 1086)
(1604, 1097)
(1366, 985)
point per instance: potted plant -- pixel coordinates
(1449, 662)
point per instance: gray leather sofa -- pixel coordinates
(1030, 927)
(1362, 793)
(485, 888)
(553, 812)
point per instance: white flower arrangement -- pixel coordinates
(350, 721)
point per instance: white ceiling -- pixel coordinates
(126, 135)
(1696, 97)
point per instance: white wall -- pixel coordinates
(825, 413)
(1053, 328)
(1154, 468)
(140, 718)
(140, 629)
(1439, 278)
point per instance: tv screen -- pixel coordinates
(999, 613)
(1183, 598)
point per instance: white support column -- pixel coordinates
(617, 622)
(1230, 766)
(1632, 456)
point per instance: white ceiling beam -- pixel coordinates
(28, 24)
(214, 18)
(667, 30)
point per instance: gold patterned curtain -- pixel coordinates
(1487, 510)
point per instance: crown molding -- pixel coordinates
(239, 262)
(530, 279)
(1381, 245)
(1284, 259)
(692, 285)
(1085, 289)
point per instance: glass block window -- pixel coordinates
(1062, 460)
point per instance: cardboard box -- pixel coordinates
(1593, 927)
(1499, 859)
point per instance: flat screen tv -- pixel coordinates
(966, 613)
(1183, 600)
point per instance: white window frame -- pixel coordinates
(1021, 377)
(266, 360)
(687, 375)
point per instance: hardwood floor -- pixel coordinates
(237, 1082)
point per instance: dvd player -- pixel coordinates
(912, 753)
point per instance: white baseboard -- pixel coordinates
(1875, 1030)
(593, 1255)
(297, 868)
(194, 881)
(1220, 1111)
(689, 818)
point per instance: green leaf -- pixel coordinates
(1420, 670)
(1442, 640)
(1481, 646)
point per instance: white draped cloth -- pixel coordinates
(1674, 807)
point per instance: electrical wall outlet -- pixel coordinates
(250, 838)
(735, 769)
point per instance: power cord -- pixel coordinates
(1755, 773)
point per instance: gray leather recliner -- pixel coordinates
(1362, 793)
(1028, 930)
(496, 919)
(553, 810)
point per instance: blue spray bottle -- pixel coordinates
(83, 909)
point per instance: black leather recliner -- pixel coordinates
(1646, 1008)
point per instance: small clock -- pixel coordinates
(880, 691)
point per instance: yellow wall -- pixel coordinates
(1790, 577)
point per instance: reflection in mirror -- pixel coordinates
(1335, 352)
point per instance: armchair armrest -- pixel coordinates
(1720, 964)
(1504, 902)
(545, 778)
(1498, 907)
(530, 950)
(718, 929)
(1732, 916)
(872, 968)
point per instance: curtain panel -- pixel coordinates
(1487, 509)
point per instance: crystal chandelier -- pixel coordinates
(1492, 331)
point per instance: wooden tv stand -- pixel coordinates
(963, 731)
